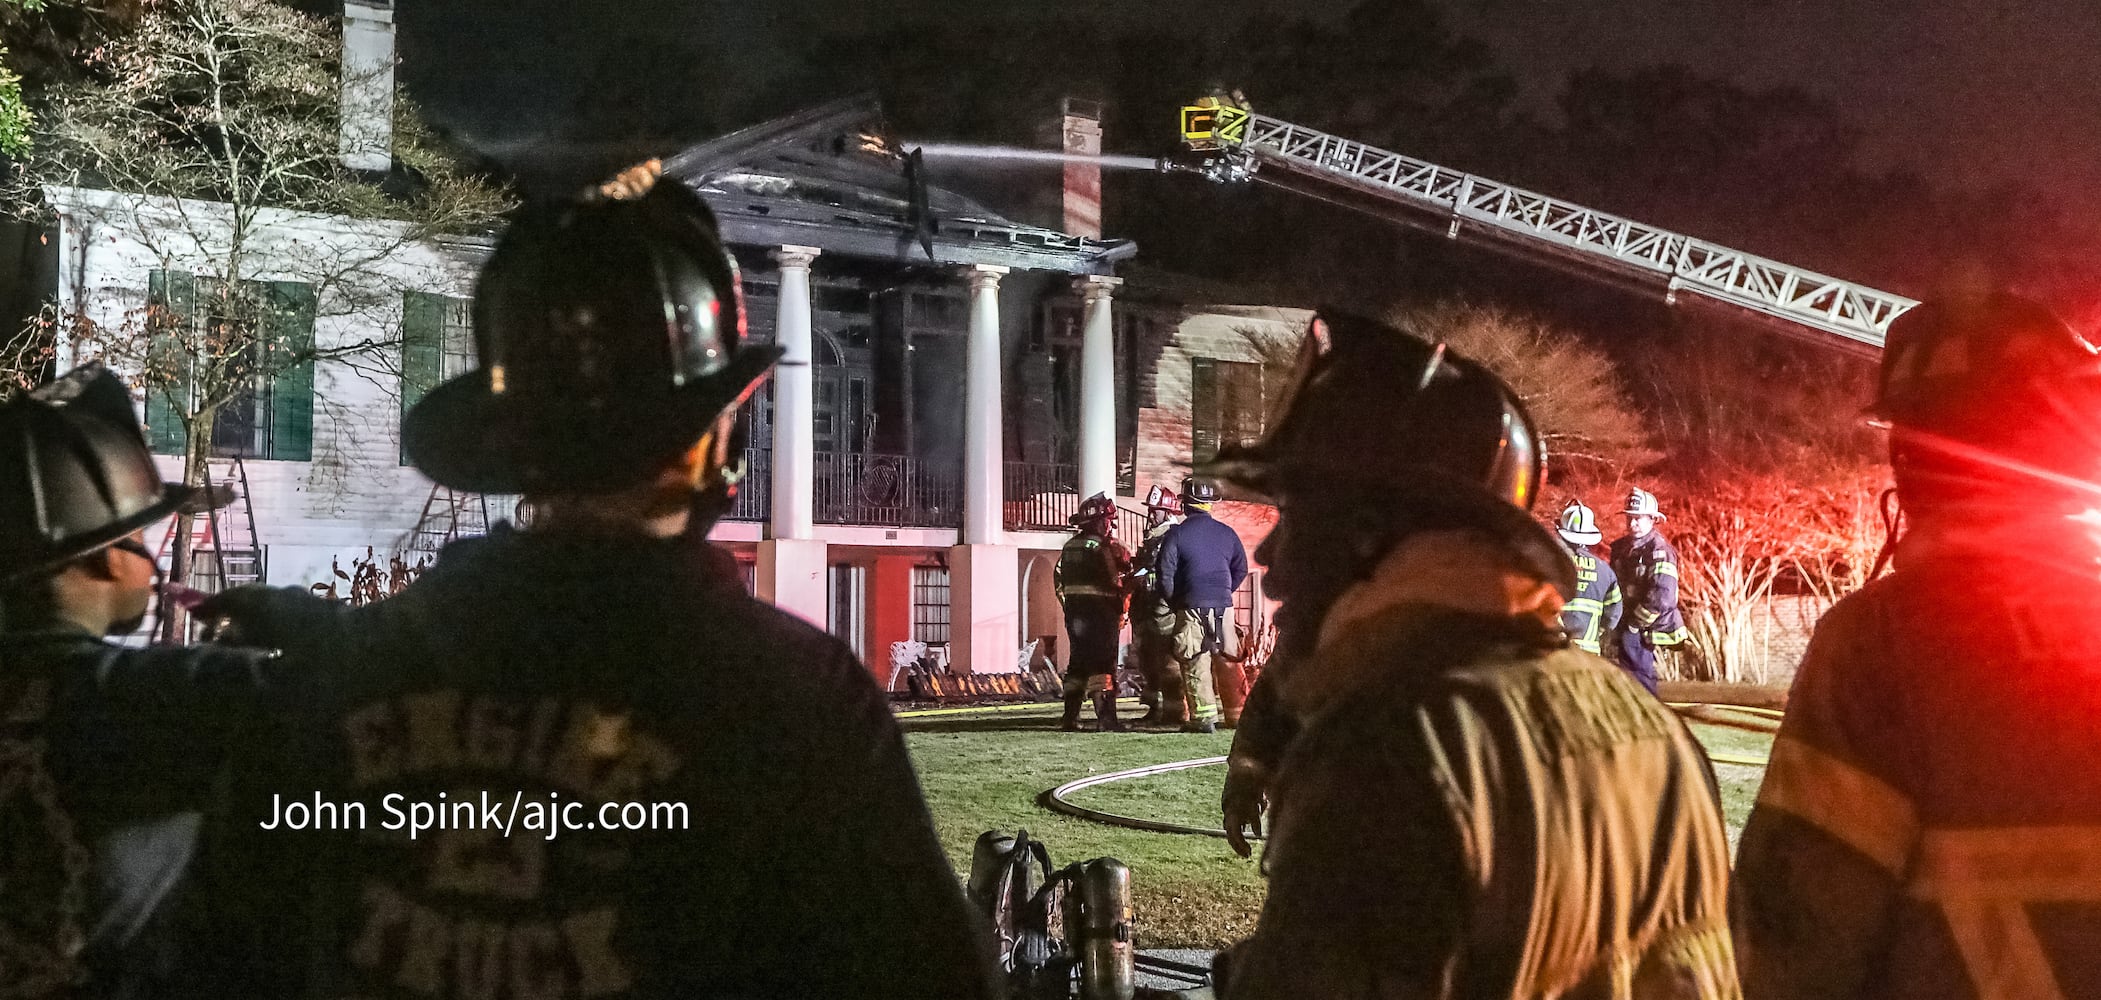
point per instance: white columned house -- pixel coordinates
(792, 561)
(1097, 471)
(984, 600)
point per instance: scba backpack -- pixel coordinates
(1058, 929)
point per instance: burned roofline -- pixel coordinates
(959, 244)
(694, 164)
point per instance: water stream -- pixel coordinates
(957, 150)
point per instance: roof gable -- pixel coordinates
(830, 177)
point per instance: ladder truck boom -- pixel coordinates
(1237, 144)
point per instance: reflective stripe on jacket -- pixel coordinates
(1648, 577)
(1595, 610)
(1488, 816)
(1091, 565)
(1930, 823)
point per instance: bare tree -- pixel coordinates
(209, 136)
(1570, 387)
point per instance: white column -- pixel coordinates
(1098, 389)
(794, 398)
(792, 560)
(984, 517)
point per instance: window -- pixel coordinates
(930, 603)
(263, 333)
(1225, 406)
(437, 343)
(849, 606)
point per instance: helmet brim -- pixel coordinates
(1582, 537)
(466, 437)
(174, 497)
(1254, 476)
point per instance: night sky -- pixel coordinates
(1968, 91)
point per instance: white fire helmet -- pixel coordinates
(1642, 503)
(1579, 525)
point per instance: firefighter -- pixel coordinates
(766, 836)
(1152, 621)
(108, 755)
(1647, 566)
(1090, 582)
(1201, 564)
(1471, 807)
(1930, 822)
(1595, 610)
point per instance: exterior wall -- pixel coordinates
(1221, 332)
(355, 492)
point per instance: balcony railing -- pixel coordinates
(1044, 496)
(895, 490)
(847, 488)
(755, 490)
(905, 492)
(1041, 496)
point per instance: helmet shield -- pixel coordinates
(1372, 403)
(1437, 439)
(611, 335)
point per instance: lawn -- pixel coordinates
(989, 770)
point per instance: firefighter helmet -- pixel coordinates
(1384, 414)
(1161, 499)
(1579, 525)
(75, 474)
(1642, 503)
(1989, 391)
(610, 335)
(1097, 509)
(1198, 491)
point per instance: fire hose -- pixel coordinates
(1761, 720)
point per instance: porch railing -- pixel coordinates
(905, 492)
(894, 490)
(1043, 496)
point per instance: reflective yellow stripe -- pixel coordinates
(1666, 569)
(1985, 880)
(1584, 605)
(2056, 863)
(1673, 637)
(1645, 616)
(1613, 596)
(1842, 800)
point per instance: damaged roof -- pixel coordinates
(830, 177)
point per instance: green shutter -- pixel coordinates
(1203, 410)
(422, 348)
(174, 295)
(288, 331)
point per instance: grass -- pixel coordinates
(987, 771)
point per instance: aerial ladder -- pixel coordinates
(1234, 144)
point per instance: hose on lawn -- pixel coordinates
(1058, 799)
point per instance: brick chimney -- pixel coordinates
(365, 138)
(1079, 130)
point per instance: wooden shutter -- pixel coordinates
(422, 348)
(1203, 410)
(173, 297)
(288, 331)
